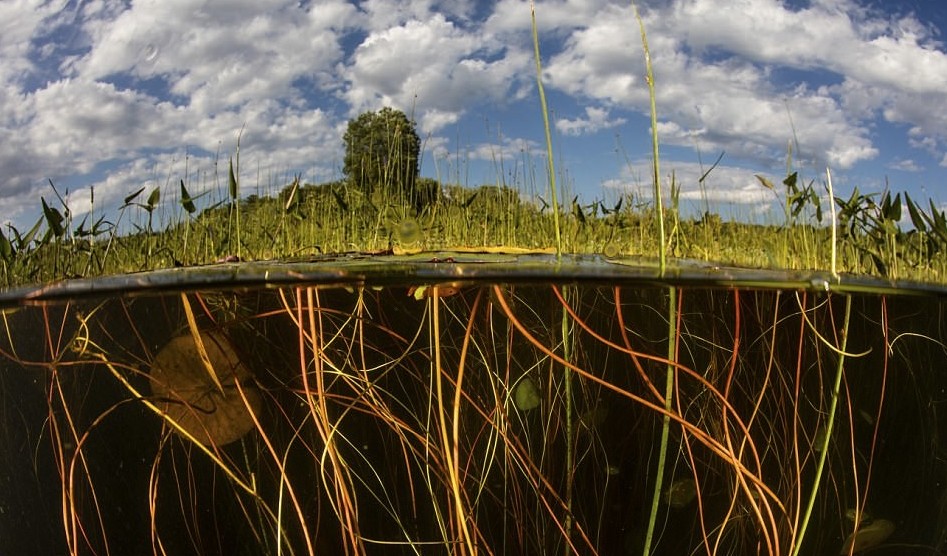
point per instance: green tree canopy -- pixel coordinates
(381, 153)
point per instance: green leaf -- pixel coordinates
(526, 395)
(340, 201)
(24, 242)
(6, 248)
(153, 199)
(132, 197)
(54, 219)
(915, 212)
(293, 201)
(233, 182)
(577, 210)
(186, 200)
(469, 201)
(790, 181)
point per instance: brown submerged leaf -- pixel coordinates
(868, 536)
(188, 396)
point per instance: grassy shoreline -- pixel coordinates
(306, 220)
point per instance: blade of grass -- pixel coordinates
(659, 206)
(550, 164)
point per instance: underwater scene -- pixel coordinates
(451, 410)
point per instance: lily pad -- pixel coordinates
(210, 409)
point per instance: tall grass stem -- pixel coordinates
(550, 164)
(656, 166)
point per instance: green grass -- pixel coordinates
(303, 220)
(863, 235)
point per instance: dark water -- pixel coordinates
(385, 420)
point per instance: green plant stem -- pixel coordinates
(659, 205)
(666, 424)
(828, 177)
(829, 427)
(550, 165)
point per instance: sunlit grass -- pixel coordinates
(302, 220)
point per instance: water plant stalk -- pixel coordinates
(829, 427)
(550, 165)
(570, 432)
(666, 421)
(656, 166)
(828, 178)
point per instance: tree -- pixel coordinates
(381, 153)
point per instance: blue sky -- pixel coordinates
(113, 96)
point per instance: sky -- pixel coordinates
(104, 97)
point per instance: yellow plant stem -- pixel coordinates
(450, 452)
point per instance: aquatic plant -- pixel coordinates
(386, 420)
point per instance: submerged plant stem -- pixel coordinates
(823, 452)
(666, 421)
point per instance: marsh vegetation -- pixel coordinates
(479, 418)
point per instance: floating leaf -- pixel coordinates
(611, 250)
(526, 395)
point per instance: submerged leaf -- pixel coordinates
(868, 536)
(680, 493)
(526, 395)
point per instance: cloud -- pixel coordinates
(89, 86)
(727, 190)
(905, 165)
(727, 101)
(433, 67)
(596, 119)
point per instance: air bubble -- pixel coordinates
(819, 284)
